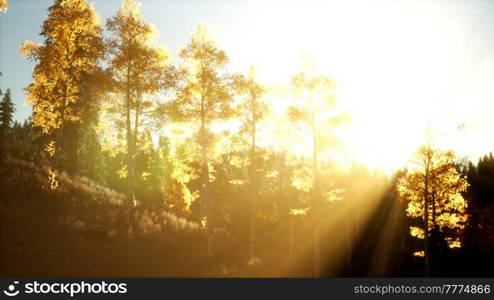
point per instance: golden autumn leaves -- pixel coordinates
(69, 56)
(138, 67)
(72, 50)
(3, 5)
(434, 190)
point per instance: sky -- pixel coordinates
(401, 65)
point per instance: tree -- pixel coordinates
(480, 197)
(316, 112)
(26, 141)
(252, 110)
(72, 49)
(1, 93)
(3, 5)
(81, 138)
(92, 160)
(139, 68)
(7, 110)
(157, 170)
(434, 189)
(206, 95)
(181, 169)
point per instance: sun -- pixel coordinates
(397, 64)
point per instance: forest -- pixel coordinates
(136, 164)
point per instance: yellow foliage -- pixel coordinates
(204, 222)
(29, 49)
(139, 67)
(72, 49)
(302, 179)
(50, 148)
(433, 177)
(315, 107)
(238, 161)
(145, 175)
(418, 253)
(52, 179)
(3, 5)
(417, 232)
(334, 195)
(299, 211)
(237, 182)
(112, 140)
(454, 243)
(205, 69)
(189, 197)
(122, 172)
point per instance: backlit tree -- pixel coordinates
(7, 110)
(71, 50)
(252, 111)
(139, 68)
(3, 5)
(206, 96)
(317, 112)
(434, 189)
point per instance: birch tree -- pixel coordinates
(139, 67)
(206, 95)
(3, 5)
(252, 111)
(316, 110)
(72, 49)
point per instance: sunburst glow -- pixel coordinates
(402, 66)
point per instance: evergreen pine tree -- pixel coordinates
(7, 110)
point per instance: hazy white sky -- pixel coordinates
(401, 64)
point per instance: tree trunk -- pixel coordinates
(71, 142)
(315, 206)
(206, 205)
(59, 135)
(253, 185)
(317, 237)
(290, 227)
(289, 204)
(136, 125)
(130, 156)
(252, 222)
(130, 153)
(133, 208)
